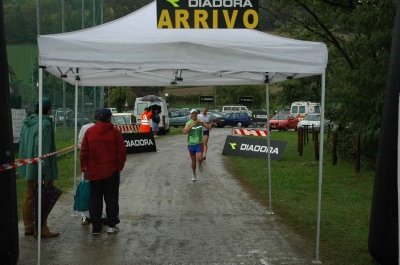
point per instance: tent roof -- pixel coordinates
(131, 51)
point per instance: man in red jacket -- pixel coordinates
(103, 156)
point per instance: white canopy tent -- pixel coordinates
(131, 51)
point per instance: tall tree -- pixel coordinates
(358, 35)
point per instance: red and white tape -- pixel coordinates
(128, 128)
(23, 162)
(262, 133)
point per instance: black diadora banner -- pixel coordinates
(253, 147)
(139, 142)
(246, 100)
(259, 115)
(207, 14)
(206, 99)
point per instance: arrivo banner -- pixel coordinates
(207, 14)
(253, 147)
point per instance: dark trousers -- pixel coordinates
(109, 189)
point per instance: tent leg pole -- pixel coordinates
(76, 136)
(40, 140)
(321, 158)
(269, 145)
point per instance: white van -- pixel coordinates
(113, 110)
(302, 108)
(164, 118)
(235, 108)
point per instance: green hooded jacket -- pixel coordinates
(29, 146)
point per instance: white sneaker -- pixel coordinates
(201, 167)
(112, 230)
(194, 177)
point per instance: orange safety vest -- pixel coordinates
(145, 122)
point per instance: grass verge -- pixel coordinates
(346, 198)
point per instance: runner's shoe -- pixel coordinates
(194, 177)
(200, 167)
(112, 230)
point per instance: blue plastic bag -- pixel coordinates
(82, 196)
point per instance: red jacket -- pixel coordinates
(103, 151)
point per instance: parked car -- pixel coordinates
(218, 119)
(59, 117)
(126, 118)
(239, 119)
(179, 118)
(283, 121)
(81, 121)
(313, 120)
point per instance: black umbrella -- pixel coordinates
(151, 98)
(50, 195)
(154, 107)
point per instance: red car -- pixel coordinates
(283, 121)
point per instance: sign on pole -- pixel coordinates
(247, 101)
(206, 99)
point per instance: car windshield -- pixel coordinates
(121, 120)
(280, 117)
(312, 118)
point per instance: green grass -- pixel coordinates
(21, 59)
(346, 198)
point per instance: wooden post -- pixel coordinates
(301, 142)
(316, 149)
(298, 139)
(334, 149)
(358, 153)
(312, 132)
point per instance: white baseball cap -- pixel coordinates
(193, 110)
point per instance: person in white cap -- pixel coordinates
(194, 130)
(204, 116)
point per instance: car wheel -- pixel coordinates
(239, 124)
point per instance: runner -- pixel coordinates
(204, 116)
(194, 130)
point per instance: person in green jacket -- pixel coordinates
(28, 148)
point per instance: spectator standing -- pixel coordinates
(155, 118)
(194, 130)
(145, 121)
(85, 214)
(28, 148)
(103, 156)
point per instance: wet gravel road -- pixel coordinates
(168, 219)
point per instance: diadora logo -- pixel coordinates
(233, 145)
(141, 142)
(173, 2)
